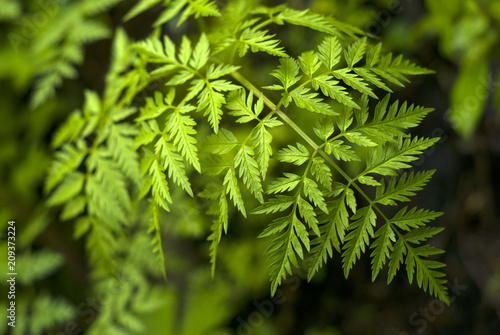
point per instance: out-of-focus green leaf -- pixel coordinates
(468, 97)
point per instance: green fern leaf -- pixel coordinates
(341, 151)
(180, 128)
(332, 232)
(386, 159)
(221, 143)
(313, 193)
(278, 204)
(121, 147)
(71, 186)
(407, 185)
(258, 40)
(329, 52)
(287, 73)
(211, 100)
(354, 81)
(413, 218)
(322, 173)
(161, 192)
(309, 63)
(196, 8)
(172, 162)
(242, 106)
(32, 267)
(427, 277)
(155, 226)
(200, 53)
(285, 248)
(214, 72)
(307, 19)
(109, 199)
(331, 88)
(355, 52)
(283, 184)
(232, 188)
(388, 122)
(249, 170)
(361, 230)
(47, 312)
(309, 101)
(384, 237)
(102, 244)
(261, 143)
(140, 7)
(295, 155)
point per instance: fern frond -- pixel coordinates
(214, 72)
(297, 155)
(172, 162)
(41, 264)
(232, 188)
(355, 52)
(47, 312)
(413, 218)
(331, 88)
(71, 186)
(332, 227)
(287, 73)
(196, 8)
(322, 172)
(249, 170)
(307, 19)
(180, 128)
(428, 278)
(139, 8)
(219, 225)
(382, 247)
(222, 142)
(354, 81)
(285, 248)
(259, 40)
(329, 52)
(261, 142)
(341, 151)
(102, 244)
(121, 147)
(406, 186)
(361, 230)
(160, 189)
(156, 241)
(389, 121)
(280, 203)
(109, 199)
(242, 106)
(210, 101)
(309, 63)
(309, 101)
(388, 158)
(283, 184)
(314, 194)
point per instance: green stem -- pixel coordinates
(263, 24)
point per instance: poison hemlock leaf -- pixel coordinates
(208, 129)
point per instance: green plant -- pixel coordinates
(115, 156)
(468, 37)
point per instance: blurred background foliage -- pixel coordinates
(52, 50)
